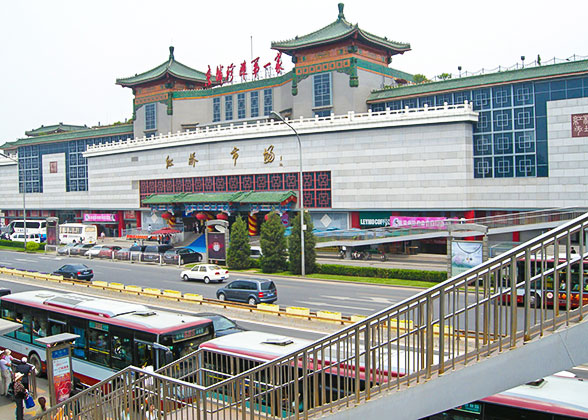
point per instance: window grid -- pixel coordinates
(268, 103)
(150, 117)
(322, 90)
(216, 112)
(228, 107)
(254, 104)
(241, 106)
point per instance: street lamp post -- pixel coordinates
(274, 114)
(24, 207)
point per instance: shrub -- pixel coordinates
(32, 246)
(385, 273)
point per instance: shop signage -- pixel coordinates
(417, 222)
(129, 214)
(100, 217)
(579, 125)
(374, 219)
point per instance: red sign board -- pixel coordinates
(579, 125)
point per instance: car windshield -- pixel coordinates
(221, 323)
(268, 285)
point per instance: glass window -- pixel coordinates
(228, 107)
(501, 97)
(461, 97)
(503, 167)
(122, 349)
(241, 105)
(524, 142)
(482, 144)
(525, 165)
(150, 117)
(503, 143)
(254, 104)
(502, 120)
(78, 326)
(483, 167)
(268, 101)
(481, 99)
(523, 94)
(483, 124)
(323, 113)
(216, 109)
(98, 344)
(322, 90)
(524, 118)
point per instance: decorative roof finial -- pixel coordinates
(171, 53)
(341, 15)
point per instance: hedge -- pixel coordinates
(385, 273)
(16, 244)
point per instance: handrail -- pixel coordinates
(447, 327)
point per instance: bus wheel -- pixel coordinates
(35, 360)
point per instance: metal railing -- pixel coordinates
(447, 327)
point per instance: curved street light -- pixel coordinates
(277, 116)
(24, 188)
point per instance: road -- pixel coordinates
(347, 298)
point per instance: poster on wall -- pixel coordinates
(61, 374)
(465, 255)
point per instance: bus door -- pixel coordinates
(144, 353)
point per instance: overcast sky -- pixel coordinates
(60, 59)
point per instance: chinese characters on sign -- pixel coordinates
(168, 162)
(228, 77)
(235, 155)
(268, 154)
(192, 159)
(579, 125)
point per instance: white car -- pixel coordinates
(205, 272)
(95, 250)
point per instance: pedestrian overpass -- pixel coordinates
(451, 344)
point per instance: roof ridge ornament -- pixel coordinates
(171, 53)
(341, 15)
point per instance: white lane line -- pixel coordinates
(371, 299)
(307, 302)
(24, 260)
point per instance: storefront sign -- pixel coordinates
(374, 219)
(417, 222)
(579, 125)
(100, 217)
(129, 215)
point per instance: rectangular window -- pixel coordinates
(150, 117)
(241, 106)
(215, 109)
(322, 90)
(323, 113)
(254, 104)
(228, 108)
(268, 101)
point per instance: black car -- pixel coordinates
(250, 291)
(222, 324)
(186, 255)
(75, 271)
(154, 252)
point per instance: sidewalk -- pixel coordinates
(8, 406)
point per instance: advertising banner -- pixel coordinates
(101, 217)
(369, 219)
(61, 374)
(417, 222)
(465, 255)
(216, 246)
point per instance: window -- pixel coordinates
(150, 117)
(254, 104)
(241, 106)
(322, 90)
(216, 110)
(268, 101)
(228, 108)
(323, 113)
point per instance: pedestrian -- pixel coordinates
(5, 371)
(43, 406)
(20, 393)
(149, 229)
(24, 368)
(102, 236)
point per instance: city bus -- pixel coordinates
(78, 232)
(112, 334)
(38, 227)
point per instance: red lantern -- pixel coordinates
(201, 216)
(222, 216)
(166, 215)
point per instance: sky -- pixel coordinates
(60, 59)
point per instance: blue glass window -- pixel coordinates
(441, 99)
(394, 105)
(483, 124)
(524, 142)
(428, 100)
(150, 117)
(524, 118)
(322, 90)
(254, 104)
(411, 103)
(502, 120)
(525, 165)
(482, 144)
(378, 107)
(229, 107)
(503, 144)
(501, 97)
(523, 94)
(481, 99)
(241, 105)
(483, 167)
(323, 113)
(268, 101)
(503, 167)
(216, 109)
(461, 97)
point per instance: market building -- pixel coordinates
(374, 143)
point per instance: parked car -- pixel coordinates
(186, 255)
(251, 291)
(80, 249)
(206, 272)
(136, 252)
(122, 254)
(108, 250)
(75, 271)
(65, 249)
(154, 253)
(94, 251)
(222, 324)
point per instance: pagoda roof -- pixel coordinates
(54, 129)
(171, 67)
(339, 30)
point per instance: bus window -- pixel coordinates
(98, 346)
(122, 350)
(79, 346)
(39, 326)
(56, 326)
(24, 334)
(9, 314)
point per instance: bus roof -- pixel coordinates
(255, 345)
(109, 311)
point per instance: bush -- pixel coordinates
(16, 244)
(32, 246)
(385, 273)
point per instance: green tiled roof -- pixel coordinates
(228, 197)
(521, 75)
(336, 31)
(53, 129)
(171, 66)
(112, 130)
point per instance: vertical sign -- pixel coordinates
(61, 374)
(579, 125)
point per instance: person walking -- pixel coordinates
(5, 371)
(20, 393)
(24, 368)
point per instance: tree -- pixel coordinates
(239, 249)
(444, 76)
(273, 245)
(419, 78)
(309, 246)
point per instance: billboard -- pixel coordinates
(465, 255)
(216, 246)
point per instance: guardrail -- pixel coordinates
(376, 355)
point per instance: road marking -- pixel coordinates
(371, 299)
(361, 308)
(24, 260)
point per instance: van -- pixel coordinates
(19, 237)
(154, 252)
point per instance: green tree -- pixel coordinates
(273, 245)
(444, 76)
(239, 249)
(419, 78)
(309, 246)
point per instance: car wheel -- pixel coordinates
(206, 280)
(252, 301)
(35, 360)
(222, 297)
(185, 277)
